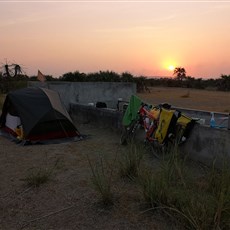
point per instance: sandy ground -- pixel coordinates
(68, 200)
(208, 100)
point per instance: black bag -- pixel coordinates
(100, 104)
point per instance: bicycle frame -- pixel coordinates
(128, 133)
(149, 123)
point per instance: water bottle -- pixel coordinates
(212, 120)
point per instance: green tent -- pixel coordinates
(39, 112)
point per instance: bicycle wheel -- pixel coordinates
(128, 133)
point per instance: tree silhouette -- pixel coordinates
(180, 73)
(127, 77)
(73, 76)
(224, 83)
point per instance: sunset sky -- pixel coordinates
(140, 37)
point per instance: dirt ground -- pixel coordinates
(208, 100)
(68, 200)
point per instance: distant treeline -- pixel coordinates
(143, 83)
(221, 84)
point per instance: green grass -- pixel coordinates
(190, 195)
(37, 177)
(173, 190)
(40, 175)
(101, 179)
(130, 159)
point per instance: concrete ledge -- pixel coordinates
(102, 117)
(205, 144)
(220, 118)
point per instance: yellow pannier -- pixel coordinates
(164, 122)
(183, 120)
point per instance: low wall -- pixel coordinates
(204, 144)
(110, 92)
(89, 92)
(101, 117)
(222, 119)
(207, 144)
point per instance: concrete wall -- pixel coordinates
(204, 144)
(101, 117)
(207, 144)
(109, 92)
(89, 92)
(222, 119)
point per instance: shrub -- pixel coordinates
(171, 190)
(102, 180)
(130, 161)
(36, 177)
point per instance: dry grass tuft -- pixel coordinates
(187, 95)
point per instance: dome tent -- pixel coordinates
(41, 114)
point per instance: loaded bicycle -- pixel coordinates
(161, 124)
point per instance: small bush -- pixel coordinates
(219, 187)
(172, 191)
(130, 161)
(154, 188)
(102, 180)
(36, 177)
(173, 167)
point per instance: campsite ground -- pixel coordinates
(68, 200)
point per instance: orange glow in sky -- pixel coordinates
(141, 37)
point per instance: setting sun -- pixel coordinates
(171, 67)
